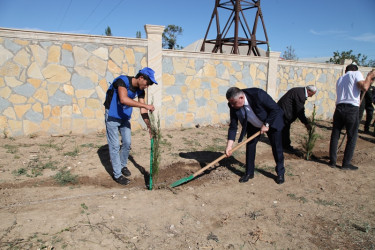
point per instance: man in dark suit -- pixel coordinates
(255, 110)
(293, 105)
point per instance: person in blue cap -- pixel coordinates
(119, 105)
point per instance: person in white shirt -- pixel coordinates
(348, 89)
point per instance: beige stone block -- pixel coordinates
(21, 42)
(30, 127)
(51, 88)
(68, 89)
(168, 80)
(238, 76)
(261, 76)
(117, 55)
(190, 94)
(66, 123)
(103, 84)
(46, 111)
(23, 58)
(88, 113)
(171, 111)
(98, 65)
(87, 73)
(79, 126)
(144, 62)
(10, 69)
(253, 71)
(37, 107)
(35, 82)
(212, 105)
(177, 99)
(167, 98)
(184, 90)
(84, 93)
(140, 49)
(100, 92)
(9, 112)
(132, 71)
(45, 126)
(195, 83)
(67, 111)
(15, 126)
(31, 100)
(101, 53)
(206, 94)
(82, 103)
(12, 82)
(56, 73)
(113, 68)
(179, 117)
(125, 69)
(95, 124)
(198, 93)
(2, 82)
(5, 55)
(17, 99)
(55, 121)
(3, 122)
(93, 103)
(99, 113)
(5, 92)
(129, 55)
(67, 46)
(41, 95)
(54, 53)
(189, 117)
(190, 72)
(192, 105)
(39, 54)
(201, 112)
(56, 111)
(80, 56)
(76, 109)
(180, 65)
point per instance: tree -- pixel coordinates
(108, 31)
(338, 58)
(170, 37)
(138, 34)
(289, 53)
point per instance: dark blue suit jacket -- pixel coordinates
(265, 108)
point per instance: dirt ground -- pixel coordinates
(57, 193)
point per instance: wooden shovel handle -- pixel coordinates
(224, 155)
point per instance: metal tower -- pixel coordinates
(236, 18)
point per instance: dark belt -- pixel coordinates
(346, 105)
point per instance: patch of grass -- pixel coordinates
(51, 144)
(296, 198)
(325, 203)
(20, 171)
(84, 208)
(37, 167)
(73, 153)
(64, 177)
(215, 148)
(12, 149)
(88, 145)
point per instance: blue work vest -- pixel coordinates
(116, 109)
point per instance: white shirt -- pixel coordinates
(251, 116)
(347, 89)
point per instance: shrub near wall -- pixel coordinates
(56, 84)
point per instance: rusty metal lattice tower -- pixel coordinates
(236, 18)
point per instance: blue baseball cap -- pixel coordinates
(150, 73)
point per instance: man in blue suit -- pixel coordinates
(255, 110)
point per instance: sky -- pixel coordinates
(312, 28)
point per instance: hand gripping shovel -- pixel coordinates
(186, 179)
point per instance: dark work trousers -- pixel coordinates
(277, 149)
(346, 115)
(366, 105)
(286, 133)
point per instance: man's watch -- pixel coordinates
(266, 124)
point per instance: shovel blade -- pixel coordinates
(181, 181)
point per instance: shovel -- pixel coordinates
(186, 179)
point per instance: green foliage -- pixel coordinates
(170, 37)
(108, 31)
(338, 57)
(311, 138)
(73, 153)
(20, 171)
(64, 177)
(138, 34)
(156, 135)
(289, 53)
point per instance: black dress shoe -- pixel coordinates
(125, 171)
(280, 179)
(348, 167)
(245, 178)
(332, 165)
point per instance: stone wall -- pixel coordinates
(55, 83)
